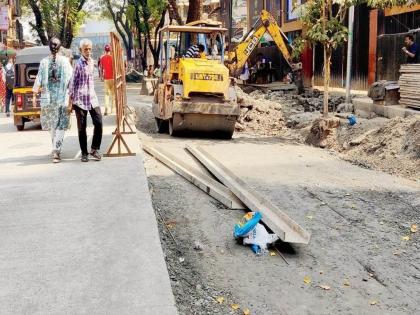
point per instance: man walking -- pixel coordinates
(107, 75)
(83, 99)
(10, 84)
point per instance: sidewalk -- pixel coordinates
(77, 238)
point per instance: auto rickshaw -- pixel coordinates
(26, 69)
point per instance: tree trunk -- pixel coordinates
(173, 10)
(156, 50)
(194, 10)
(327, 77)
(39, 24)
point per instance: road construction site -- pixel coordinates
(363, 247)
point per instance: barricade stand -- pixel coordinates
(120, 102)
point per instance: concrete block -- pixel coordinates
(411, 112)
(379, 110)
(363, 103)
(394, 111)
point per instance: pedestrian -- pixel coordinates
(107, 75)
(10, 84)
(157, 73)
(52, 82)
(2, 88)
(84, 100)
(150, 71)
(411, 49)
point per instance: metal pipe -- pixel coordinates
(349, 53)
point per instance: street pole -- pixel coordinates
(349, 53)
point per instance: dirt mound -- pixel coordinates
(393, 148)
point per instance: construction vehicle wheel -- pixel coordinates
(161, 125)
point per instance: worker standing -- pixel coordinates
(107, 75)
(411, 49)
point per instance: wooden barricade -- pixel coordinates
(120, 102)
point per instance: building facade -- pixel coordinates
(11, 30)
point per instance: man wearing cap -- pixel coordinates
(107, 75)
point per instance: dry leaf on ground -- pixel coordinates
(307, 280)
(373, 302)
(273, 254)
(406, 238)
(235, 306)
(220, 299)
(325, 287)
(346, 282)
(413, 228)
(247, 312)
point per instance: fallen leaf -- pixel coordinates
(235, 307)
(220, 299)
(273, 253)
(310, 217)
(247, 312)
(406, 238)
(413, 228)
(373, 302)
(307, 280)
(353, 206)
(325, 287)
(347, 283)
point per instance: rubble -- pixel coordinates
(270, 113)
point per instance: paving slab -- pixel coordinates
(77, 238)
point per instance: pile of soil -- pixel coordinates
(393, 148)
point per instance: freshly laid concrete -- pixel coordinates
(77, 238)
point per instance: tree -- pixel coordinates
(149, 16)
(121, 14)
(323, 23)
(194, 10)
(59, 18)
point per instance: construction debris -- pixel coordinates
(277, 220)
(202, 181)
(393, 148)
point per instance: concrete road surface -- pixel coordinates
(77, 238)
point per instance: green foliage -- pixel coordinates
(58, 18)
(298, 45)
(331, 32)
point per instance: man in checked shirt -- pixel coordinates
(83, 99)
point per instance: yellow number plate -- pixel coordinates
(206, 77)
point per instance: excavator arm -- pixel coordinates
(266, 23)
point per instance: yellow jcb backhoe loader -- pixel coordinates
(240, 54)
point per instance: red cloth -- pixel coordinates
(106, 64)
